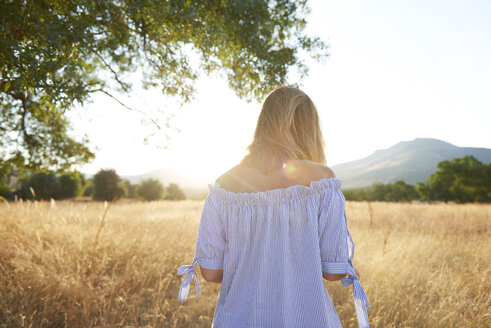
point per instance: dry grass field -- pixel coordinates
(421, 265)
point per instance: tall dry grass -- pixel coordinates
(421, 265)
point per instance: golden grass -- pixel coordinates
(421, 265)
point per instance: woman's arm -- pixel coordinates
(212, 275)
(337, 276)
(333, 276)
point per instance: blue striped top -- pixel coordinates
(273, 246)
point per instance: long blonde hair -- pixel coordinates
(287, 128)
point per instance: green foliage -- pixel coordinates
(423, 191)
(130, 189)
(377, 191)
(357, 194)
(398, 191)
(107, 185)
(150, 189)
(39, 186)
(83, 181)
(48, 185)
(89, 189)
(55, 54)
(173, 192)
(5, 190)
(461, 180)
(69, 185)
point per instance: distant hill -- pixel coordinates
(194, 187)
(172, 175)
(411, 161)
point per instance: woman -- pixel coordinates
(274, 225)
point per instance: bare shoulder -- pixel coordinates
(245, 179)
(326, 172)
(316, 171)
(226, 177)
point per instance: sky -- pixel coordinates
(396, 71)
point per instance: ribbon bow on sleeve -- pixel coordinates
(361, 299)
(190, 272)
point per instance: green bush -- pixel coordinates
(173, 192)
(89, 191)
(5, 190)
(461, 180)
(44, 185)
(398, 191)
(88, 188)
(131, 191)
(150, 189)
(107, 185)
(69, 185)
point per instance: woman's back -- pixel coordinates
(275, 224)
(274, 236)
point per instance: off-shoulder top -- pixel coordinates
(273, 246)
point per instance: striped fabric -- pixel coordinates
(273, 247)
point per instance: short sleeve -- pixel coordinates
(335, 242)
(210, 245)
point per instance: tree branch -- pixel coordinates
(127, 107)
(27, 136)
(123, 85)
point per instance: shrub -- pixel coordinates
(107, 185)
(173, 192)
(89, 188)
(130, 189)
(5, 191)
(150, 189)
(45, 186)
(69, 185)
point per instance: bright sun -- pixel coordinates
(214, 137)
(209, 157)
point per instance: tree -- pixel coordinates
(150, 189)
(44, 185)
(377, 191)
(173, 192)
(356, 194)
(57, 53)
(89, 189)
(438, 186)
(107, 185)
(5, 190)
(461, 179)
(130, 189)
(69, 185)
(400, 191)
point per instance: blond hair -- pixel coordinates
(287, 128)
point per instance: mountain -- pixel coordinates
(411, 161)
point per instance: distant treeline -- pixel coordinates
(460, 180)
(105, 185)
